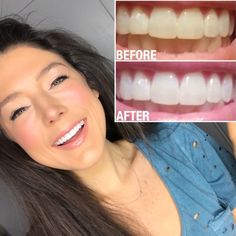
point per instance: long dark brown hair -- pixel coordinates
(55, 201)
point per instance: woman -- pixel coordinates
(76, 172)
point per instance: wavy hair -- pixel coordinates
(56, 202)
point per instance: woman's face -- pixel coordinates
(47, 108)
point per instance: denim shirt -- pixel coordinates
(199, 174)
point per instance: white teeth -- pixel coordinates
(193, 89)
(165, 88)
(162, 23)
(125, 86)
(213, 89)
(138, 21)
(141, 87)
(190, 24)
(224, 21)
(211, 24)
(166, 23)
(227, 88)
(70, 134)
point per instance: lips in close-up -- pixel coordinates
(73, 136)
(181, 30)
(177, 91)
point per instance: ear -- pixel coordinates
(95, 93)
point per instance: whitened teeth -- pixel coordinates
(193, 89)
(141, 87)
(70, 134)
(163, 22)
(214, 89)
(227, 88)
(166, 89)
(125, 86)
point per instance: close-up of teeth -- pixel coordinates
(70, 134)
(168, 88)
(169, 30)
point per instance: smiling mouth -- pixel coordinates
(174, 30)
(70, 138)
(167, 92)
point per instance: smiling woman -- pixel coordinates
(76, 172)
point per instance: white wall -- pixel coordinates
(91, 19)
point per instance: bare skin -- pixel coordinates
(153, 206)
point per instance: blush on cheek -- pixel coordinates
(25, 136)
(78, 93)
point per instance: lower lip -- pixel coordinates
(78, 139)
(224, 53)
(226, 113)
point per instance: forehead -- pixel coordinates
(25, 60)
(20, 66)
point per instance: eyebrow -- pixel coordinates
(40, 74)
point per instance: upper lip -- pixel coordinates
(65, 131)
(185, 67)
(230, 5)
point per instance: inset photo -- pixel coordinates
(175, 91)
(175, 30)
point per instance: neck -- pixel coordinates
(112, 169)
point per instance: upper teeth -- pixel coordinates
(70, 134)
(166, 23)
(167, 89)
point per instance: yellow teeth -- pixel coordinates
(166, 23)
(146, 42)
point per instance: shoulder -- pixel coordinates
(180, 139)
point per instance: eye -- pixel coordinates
(18, 112)
(58, 80)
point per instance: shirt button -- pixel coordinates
(224, 230)
(196, 216)
(167, 169)
(194, 144)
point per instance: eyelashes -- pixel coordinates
(58, 80)
(54, 83)
(17, 113)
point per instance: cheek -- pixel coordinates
(26, 136)
(77, 93)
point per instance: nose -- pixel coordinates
(51, 109)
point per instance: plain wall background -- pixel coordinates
(91, 19)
